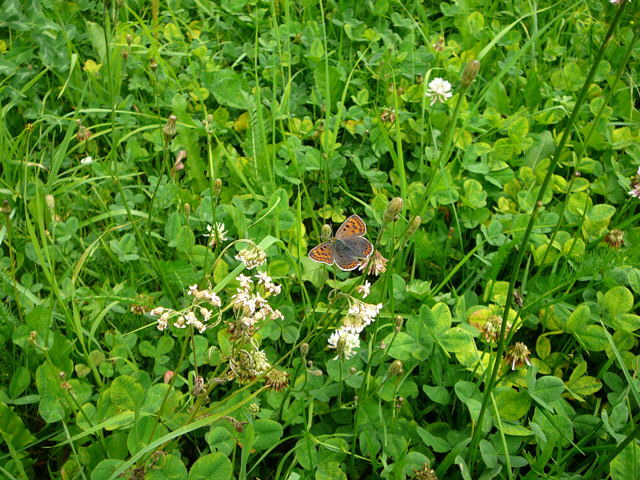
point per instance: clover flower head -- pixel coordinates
(439, 90)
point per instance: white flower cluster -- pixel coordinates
(252, 305)
(189, 317)
(252, 256)
(346, 340)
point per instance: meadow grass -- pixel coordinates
(167, 167)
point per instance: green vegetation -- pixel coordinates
(167, 166)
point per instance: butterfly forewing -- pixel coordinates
(353, 226)
(325, 253)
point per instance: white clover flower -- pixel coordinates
(157, 311)
(439, 90)
(635, 191)
(252, 256)
(344, 341)
(180, 323)
(364, 289)
(190, 318)
(86, 160)
(217, 234)
(617, 2)
(193, 290)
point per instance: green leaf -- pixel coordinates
(578, 319)
(267, 434)
(546, 390)
(230, 89)
(220, 439)
(438, 394)
(13, 429)
(438, 444)
(144, 432)
(19, 382)
(596, 221)
(594, 338)
(512, 405)
(330, 471)
(626, 465)
(456, 339)
(213, 465)
(126, 393)
(618, 300)
(171, 468)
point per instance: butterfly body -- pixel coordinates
(348, 248)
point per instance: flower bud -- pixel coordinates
(396, 368)
(469, 74)
(414, 225)
(169, 129)
(304, 349)
(217, 186)
(129, 38)
(399, 322)
(393, 209)
(153, 64)
(326, 232)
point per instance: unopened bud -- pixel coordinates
(469, 74)
(153, 64)
(187, 209)
(399, 322)
(414, 225)
(353, 370)
(217, 186)
(304, 349)
(125, 55)
(62, 375)
(326, 232)
(169, 129)
(51, 204)
(577, 174)
(396, 368)
(129, 38)
(393, 209)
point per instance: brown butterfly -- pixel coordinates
(348, 248)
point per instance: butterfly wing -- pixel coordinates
(323, 253)
(351, 252)
(353, 226)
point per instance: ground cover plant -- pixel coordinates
(319, 239)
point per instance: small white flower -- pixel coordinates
(344, 341)
(198, 325)
(617, 2)
(163, 321)
(439, 90)
(157, 311)
(244, 281)
(635, 192)
(206, 313)
(364, 289)
(180, 323)
(213, 299)
(86, 160)
(193, 290)
(190, 318)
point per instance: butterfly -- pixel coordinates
(348, 248)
